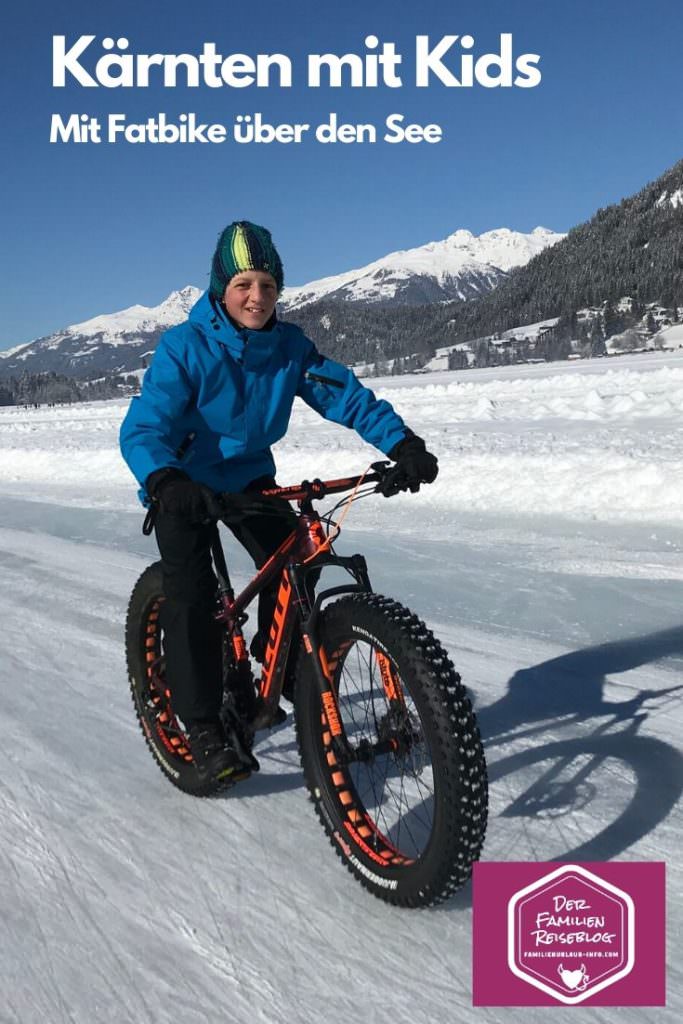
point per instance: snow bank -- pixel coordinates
(600, 441)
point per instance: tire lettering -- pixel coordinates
(384, 883)
(369, 636)
(346, 849)
(166, 766)
(323, 810)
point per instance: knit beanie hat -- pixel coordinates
(243, 246)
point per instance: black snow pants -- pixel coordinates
(192, 637)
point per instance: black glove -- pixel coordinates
(178, 495)
(414, 466)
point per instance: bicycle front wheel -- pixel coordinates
(406, 807)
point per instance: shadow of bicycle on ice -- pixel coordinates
(554, 789)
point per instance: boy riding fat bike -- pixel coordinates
(218, 394)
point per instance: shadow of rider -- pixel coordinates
(573, 685)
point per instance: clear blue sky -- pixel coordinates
(94, 228)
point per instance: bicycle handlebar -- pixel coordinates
(308, 490)
(317, 489)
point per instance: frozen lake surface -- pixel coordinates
(548, 558)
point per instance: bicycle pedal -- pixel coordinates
(225, 782)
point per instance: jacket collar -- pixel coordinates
(211, 319)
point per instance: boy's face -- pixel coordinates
(250, 298)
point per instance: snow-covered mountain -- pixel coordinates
(111, 342)
(462, 266)
(630, 248)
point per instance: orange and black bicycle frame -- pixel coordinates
(304, 551)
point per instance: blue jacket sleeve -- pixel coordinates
(346, 401)
(147, 435)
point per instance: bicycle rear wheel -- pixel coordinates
(406, 811)
(164, 734)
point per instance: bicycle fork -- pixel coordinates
(325, 668)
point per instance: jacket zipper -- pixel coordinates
(184, 445)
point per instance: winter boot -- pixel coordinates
(215, 759)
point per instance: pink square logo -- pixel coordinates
(568, 934)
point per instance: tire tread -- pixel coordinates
(460, 753)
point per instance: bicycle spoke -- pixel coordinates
(381, 811)
(392, 787)
(403, 820)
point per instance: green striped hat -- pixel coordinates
(243, 246)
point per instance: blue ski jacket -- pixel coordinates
(215, 398)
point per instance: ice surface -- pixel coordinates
(548, 558)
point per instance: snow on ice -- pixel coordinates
(548, 558)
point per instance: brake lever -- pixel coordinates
(381, 469)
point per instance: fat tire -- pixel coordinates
(458, 764)
(143, 648)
